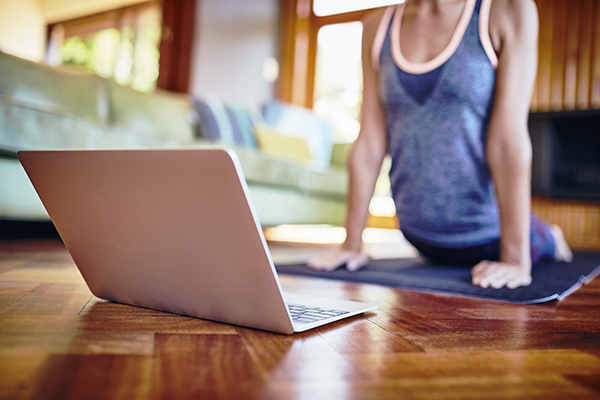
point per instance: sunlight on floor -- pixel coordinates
(300, 242)
(326, 234)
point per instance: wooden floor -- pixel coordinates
(59, 342)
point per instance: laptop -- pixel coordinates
(172, 230)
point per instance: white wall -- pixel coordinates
(22, 29)
(61, 10)
(23, 22)
(233, 40)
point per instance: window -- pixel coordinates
(320, 68)
(338, 78)
(121, 44)
(331, 7)
(303, 34)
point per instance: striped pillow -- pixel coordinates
(227, 124)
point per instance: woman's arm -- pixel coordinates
(514, 31)
(364, 163)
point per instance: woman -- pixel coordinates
(447, 86)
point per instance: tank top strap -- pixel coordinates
(391, 20)
(382, 30)
(484, 7)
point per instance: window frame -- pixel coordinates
(176, 41)
(90, 24)
(299, 30)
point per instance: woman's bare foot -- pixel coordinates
(562, 251)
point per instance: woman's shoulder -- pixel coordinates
(371, 20)
(373, 16)
(511, 19)
(513, 14)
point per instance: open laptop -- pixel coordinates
(172, 230)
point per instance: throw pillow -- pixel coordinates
(277, 145)
(225, 124)
(300, 122)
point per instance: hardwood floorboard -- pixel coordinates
(476, 364)
(304, 357)
(401, 322)
(104, 316)
(58, 341)
(590, 381)
(505, 340)
(363, 336)
(452, 388)
(98, 376)
(216, 367)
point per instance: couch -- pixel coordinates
(43, 107)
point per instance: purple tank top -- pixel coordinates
(437, 121)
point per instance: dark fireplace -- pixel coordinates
(566, 154)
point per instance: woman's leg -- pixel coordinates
(542, 242)
(547, 243)
(467, 256)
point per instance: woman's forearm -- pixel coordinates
(515, 25)
(510, 165)
(364, 164)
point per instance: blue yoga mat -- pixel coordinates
(551, 281)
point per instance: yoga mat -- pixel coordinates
(551, 281)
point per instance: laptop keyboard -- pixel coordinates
(306, 314)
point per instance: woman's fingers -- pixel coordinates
(335, 259)
(498, 275)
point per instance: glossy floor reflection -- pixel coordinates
(57, 341)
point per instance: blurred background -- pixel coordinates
(306, 53)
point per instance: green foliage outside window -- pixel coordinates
(128, 57)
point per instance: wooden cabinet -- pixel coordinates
(569, 56)
(579, 220)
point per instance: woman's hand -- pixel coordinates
(500, 274)
(353, 260)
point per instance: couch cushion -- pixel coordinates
(160, 115)
(18, 199)
(51, 89)
(261, 169)
(339, 154)
(275, 207)
(24, 127)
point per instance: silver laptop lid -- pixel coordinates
(172, 230)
